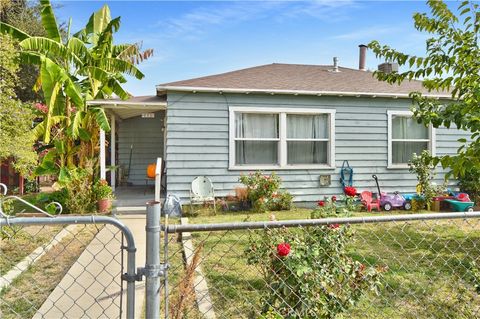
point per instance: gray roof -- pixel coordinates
(292, 78)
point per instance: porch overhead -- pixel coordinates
(135, 106)
(139, 121)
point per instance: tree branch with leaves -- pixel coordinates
(451, 65)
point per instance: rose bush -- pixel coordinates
(308, 271)
(350, 191)
(264, 194)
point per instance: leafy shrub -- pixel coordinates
(80, 196)
(281, 201)
(423, 166)
(31, 186)
(263, 192)
(101, 190)
(308, 271)
(470, 183)
(60, 196)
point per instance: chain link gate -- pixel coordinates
(397, 266)
(65, 266)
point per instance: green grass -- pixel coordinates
(26, 294)
(18, 242)
(427, 267)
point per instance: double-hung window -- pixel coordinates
(406, 137)
(275, 138)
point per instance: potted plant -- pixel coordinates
(104, 195)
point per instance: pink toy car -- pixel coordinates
(389, 201)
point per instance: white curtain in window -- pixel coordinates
(307, 126)
(301, 126)
(402, 152)
(252, 125)
(408, 128)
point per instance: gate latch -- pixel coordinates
(151, 271)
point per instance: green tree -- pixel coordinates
(73, 70)
(16, 135)
(451, 64)
(24, 15)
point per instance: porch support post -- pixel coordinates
(112, 152)
(103, 169)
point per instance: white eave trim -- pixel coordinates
(127, 104)
(194, 89)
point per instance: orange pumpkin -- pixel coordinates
(151, 168)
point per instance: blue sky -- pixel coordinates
(197, 38)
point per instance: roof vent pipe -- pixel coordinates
(335, 64)
(362, 57)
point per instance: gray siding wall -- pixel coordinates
(197, 143)
(146, 135)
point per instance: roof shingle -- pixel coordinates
(297, 77)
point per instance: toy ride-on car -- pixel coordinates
(391, 201)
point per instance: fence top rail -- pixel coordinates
(71, 220)
(318, 222)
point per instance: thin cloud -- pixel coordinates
(367, 33)
(195, 23)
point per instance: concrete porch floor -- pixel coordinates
(133, 198)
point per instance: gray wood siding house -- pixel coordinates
(299, 121)
(198, 143)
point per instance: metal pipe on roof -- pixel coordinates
(362, 57)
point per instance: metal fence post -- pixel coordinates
(153, 268)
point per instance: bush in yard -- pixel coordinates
(263, 192)
(59, 196)
(80, 195)
(423, 166)
(307, 272)
(470, 183)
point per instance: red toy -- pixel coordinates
(369, 202)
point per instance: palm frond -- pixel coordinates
(12, 31)
(101, 118)
(131, 52)
(50, 47)
(97, 23)
(78, 47)
(77, 123)
(48, 20)
(114, 65)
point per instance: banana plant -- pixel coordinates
(73, 70)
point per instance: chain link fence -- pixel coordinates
(409, 266)
(63, 267)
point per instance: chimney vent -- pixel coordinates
(362, 57)
(335, 64)
(388, 67)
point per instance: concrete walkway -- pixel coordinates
(91, 288)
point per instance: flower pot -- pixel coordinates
(104, 205)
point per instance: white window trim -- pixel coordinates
(431, 138)
(282, 112)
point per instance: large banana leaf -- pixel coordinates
(101, 118)
(48, 20)
(79, 48)
(131, 52)
(50, 47)
(52, 73)
(114, 87)
(74, 93)
(14, 32)
(104, 43)
(30, 58)
(114, 65)
(97, 23)
(77, 123)
(39, 129)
